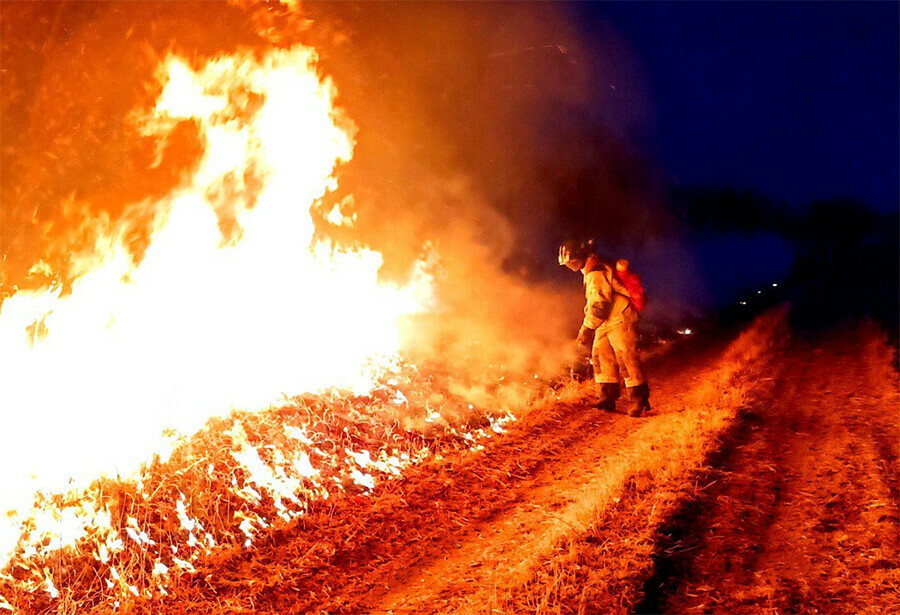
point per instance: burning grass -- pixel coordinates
(240, 480)
(302, 496)
(235, 295)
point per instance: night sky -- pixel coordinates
(796, 100)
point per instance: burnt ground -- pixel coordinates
(764, 480)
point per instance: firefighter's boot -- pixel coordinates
(638, 399)
(607, 394)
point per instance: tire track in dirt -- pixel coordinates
(803, 514)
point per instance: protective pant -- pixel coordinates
(612, 342)
(614, 346)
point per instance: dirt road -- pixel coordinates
(803, 514)
(766, 478)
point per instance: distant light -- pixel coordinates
(684, 331)
(759, 292)
(774, 283)
(743, 303)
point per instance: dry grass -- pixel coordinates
(205, 504)
(309, 551)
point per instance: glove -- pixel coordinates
(601, 310)
(585, 337)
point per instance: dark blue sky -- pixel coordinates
(796, 100)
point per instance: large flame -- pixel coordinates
(206, 321)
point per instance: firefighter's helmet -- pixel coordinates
(575, 250)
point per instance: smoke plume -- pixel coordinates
(486, 133)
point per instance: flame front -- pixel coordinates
(207, 320)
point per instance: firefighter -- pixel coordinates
(611, 316)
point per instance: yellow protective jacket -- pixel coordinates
(607, 300)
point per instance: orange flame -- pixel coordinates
(205, 322)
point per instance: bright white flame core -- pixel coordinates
(203, 323)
